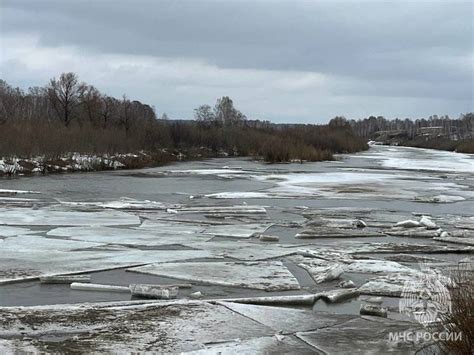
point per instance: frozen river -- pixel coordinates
(204, 224)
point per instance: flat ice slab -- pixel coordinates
(286, 320)
(47, 217)
(197, 327)
(162, 234)
(246, 230)
(427, 159)
(123, 328)
(122, 204)
(277, 344)
(362, 336)
(7, 231)
(263, 275)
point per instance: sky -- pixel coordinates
(283, 61)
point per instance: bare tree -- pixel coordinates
(90, 99)
(64, 95)
(204, 115)
(226, 113)
(126, 113)
(108, 107)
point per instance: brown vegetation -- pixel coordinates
(441, 133)
(461, 317)
(460, 146)
(69, 116)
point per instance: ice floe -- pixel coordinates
(363, 336)
(293, 300)
(456, 240)
(261, 345)
(285, 320)
(322, 273)
(123, 204)
(391, 285)
(31, 257)
(98, 287)
(160, 234)
(418, 232)
(154, 291)
(325, 232)
(264, 275)
(427, 159)
(336, 296)
(243, 250)
(237, 230)
(165, 327)
(241, 209)
(439, 199)
(7, 231)
(49, 217)
(348, 185)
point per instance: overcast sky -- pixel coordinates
(286, 61)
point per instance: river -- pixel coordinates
(233, 228)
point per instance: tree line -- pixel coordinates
(68, 115)
(460, 128)
(66, 100)
(436, 132)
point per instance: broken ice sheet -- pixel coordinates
(7, 231)
(234, 230)
(378, 266)
(49, 217)
(349, 185)
(239, 209)
(124, 203)
(35, 243)
(27, 263)
(286, 320)
(332, 232)
(404, 158)
(457, 240)
(353, 248)
(167, 235)
(262, 275)
(246, 230)
(262, 345)
(322, 270)
(391, 285)
(170, 226)
(243, 250)
(362, 336)
(164, 327)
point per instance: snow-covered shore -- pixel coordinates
(74, 162)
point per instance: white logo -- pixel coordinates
(426, 297)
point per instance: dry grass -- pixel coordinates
(460, 146)
(26, 139)
(461, 317)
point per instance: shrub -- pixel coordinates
(461, 317)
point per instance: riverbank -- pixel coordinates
(75, 162)
(459, 146)
(79, 162)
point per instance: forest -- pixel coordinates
(436, 132)
(68, 116)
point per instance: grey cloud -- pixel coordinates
(411, 48)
